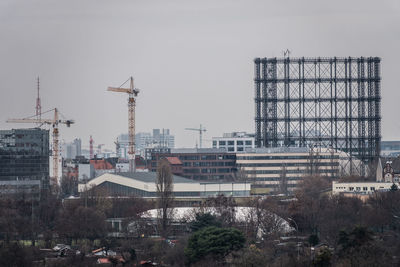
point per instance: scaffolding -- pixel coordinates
(330, 102)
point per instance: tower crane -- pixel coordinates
(54, 122)
(91, 151)
(132, 94)
(200, 130)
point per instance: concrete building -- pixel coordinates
(24, 160)
(144, 140)
(362, 188)
(143, 184)
(204, 164)
(281, 169)
(234, 142)
(72, 150)
(163, 138)
(86, 171)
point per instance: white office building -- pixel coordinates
(234, 142)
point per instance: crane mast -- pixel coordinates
(38, 104)
(200, 130)
(132, 94)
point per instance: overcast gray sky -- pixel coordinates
(192, 60)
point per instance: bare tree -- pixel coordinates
(165, 199)
(283, 183)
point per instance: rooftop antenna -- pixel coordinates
(38, 105)
(286, 53)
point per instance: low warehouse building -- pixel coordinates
(143, 184)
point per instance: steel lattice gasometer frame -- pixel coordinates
(332, 102)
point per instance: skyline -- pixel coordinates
(192, 61)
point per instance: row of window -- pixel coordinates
(206, 157)
(314, 157)
(365, 188)
(288, 171)
(232, 143)
(290, 164)
(208, 163)
(208, 170)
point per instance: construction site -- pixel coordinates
(326, 105)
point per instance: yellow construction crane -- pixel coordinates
(200, 130)
(54, 122)
(132, 93)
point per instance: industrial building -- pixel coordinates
(282, 169)
(234, 142)
(329, 102)
(204, 164)
(143, 184)
(24, 160)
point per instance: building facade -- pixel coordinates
(362, 188)
(234, 142)
(143, 184)
(282, 169)
(24, 159)
(73, 149)
(159, 138)
(204, 164)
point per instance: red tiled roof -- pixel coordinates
(101, 164)
(174, 160)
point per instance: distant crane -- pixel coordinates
(38, 104)
(132, 94)
(54, 123)
(91, 152)
(200, 130)
(117, 146)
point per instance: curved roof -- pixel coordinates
(151, 177)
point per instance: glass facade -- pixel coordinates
(24, 155)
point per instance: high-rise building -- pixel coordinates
(145, 140)
(24, 160)
(163, 138)
(73, 149)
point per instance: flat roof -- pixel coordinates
(151, 177)
(197, 150)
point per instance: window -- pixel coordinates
(214, 143)
(248, 143)
(231, 148)
(351, 188)
(222, 143)
(239, 143)
(231, 143)
(240, 148)
(358, 188)
(372, 188)
(365, 188)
